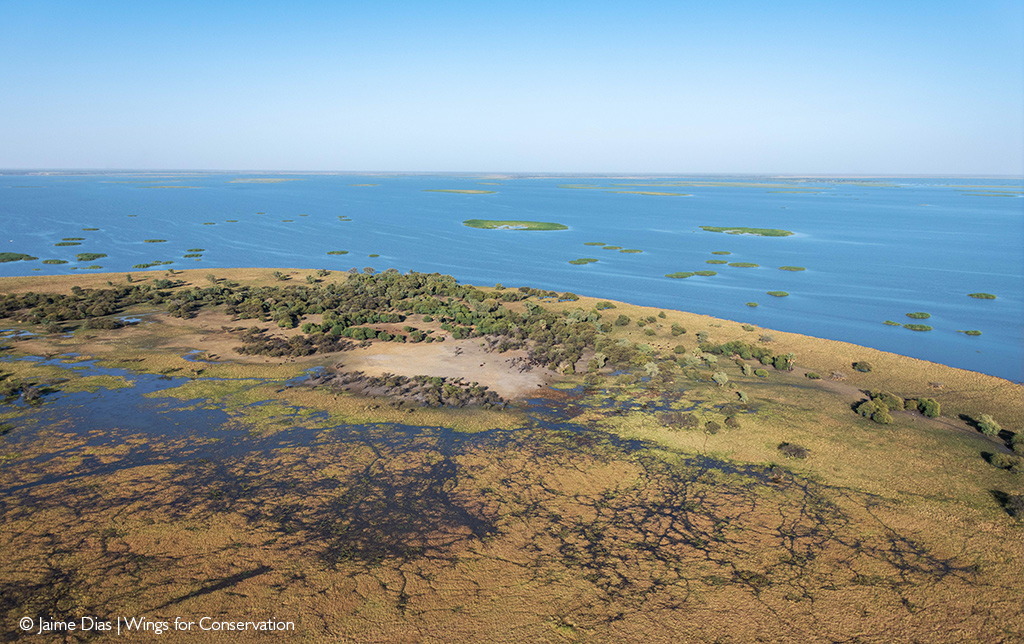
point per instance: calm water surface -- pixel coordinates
(873, 250)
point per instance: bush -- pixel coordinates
(622, 320)
(678, 330)
(1007, 462)
(747, 369)
(863, 367)
(600, 306)
(679, 349)
(761, 373)
(988, 425)
(891, 401)
(813, 376)
(928, 406)
(793, 450)
(732, 421)
(876, 411)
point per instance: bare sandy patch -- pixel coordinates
(506, 373)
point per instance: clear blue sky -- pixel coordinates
(922, 87)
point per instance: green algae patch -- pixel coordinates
(778, 293)
(154, 241)
(742, 230)
(594, 244)
(498, 224)
(337, 252)
(195, 250)
(88, 257)
(631, 250)
(917, 327)
(464, 192)
(680, 275)
(16, 257)
(373, 255)
(612, 248)
(721, 252)
(191, 255)
(752, 305)
(72, 238)
(705, 273)
(582, 260)
(891, 323)
(744, 265)
(982, 296)
(919, 315)
(716, 261)
(54, 261)
(68, 244)
(792, 268)
(971, 332)
(90, 229)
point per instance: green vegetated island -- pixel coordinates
(495, 224)
(741, 230)
(369, 455)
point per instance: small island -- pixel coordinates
(464, 192)
(493, 224)
(741, 230)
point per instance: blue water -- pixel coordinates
(872, 252)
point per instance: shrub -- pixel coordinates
(863, 367)
(622, 320)
(747, 369)
(678, 330)
(1007, 462)
(793, 450)
(812, 375)
(720, 378)
(783, 363)
(732, 421)
(928, 406)
(600, 306)
(761, 373)
(891, 401)
(747, 327)
(679, 349)
(876, 411)
(988, 425)
(712, 427)
(649, 332)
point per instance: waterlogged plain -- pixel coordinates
(661, 489)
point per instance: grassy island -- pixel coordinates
(917, 327)
(495, 224)
(740, 230)
(16, 257)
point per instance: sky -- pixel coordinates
(911, 87)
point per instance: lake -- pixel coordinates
(873, 250)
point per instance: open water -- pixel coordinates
(873, 250)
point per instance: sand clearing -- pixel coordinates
(506, 373)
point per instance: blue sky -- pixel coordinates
(662, 87)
